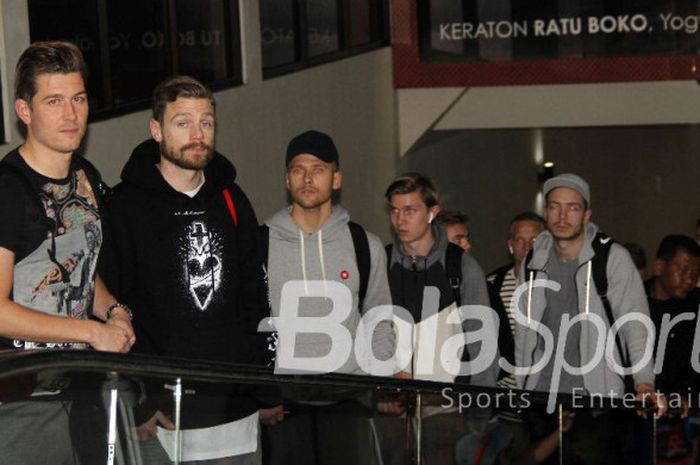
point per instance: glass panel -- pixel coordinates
(322, 22)
(358, 22)
(277, 32)
(76, 21)
(203, 39)
(139, 48)
(100, 414)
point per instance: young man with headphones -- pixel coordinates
(422, 257)
(422, 260)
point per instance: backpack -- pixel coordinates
(360, 244)
(453, 268)
(601, 248)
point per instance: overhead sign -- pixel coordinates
(456, 43)
(503, 30)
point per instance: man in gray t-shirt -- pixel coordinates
(560, 303)
(563, 255)
(560, 288)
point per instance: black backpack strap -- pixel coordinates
(102, 191)
(528, 259)
(500, 276)
(453, 269)
(388, 248)
(601, 248)
(264, 246)
(12, 170)
(362, 256)
(602, 243)
(35, 211)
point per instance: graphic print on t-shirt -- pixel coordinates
(202, 255)
(58, 277)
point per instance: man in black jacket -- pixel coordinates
(672, 297)
(181, 250)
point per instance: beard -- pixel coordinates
(310, 202)
(179, 157)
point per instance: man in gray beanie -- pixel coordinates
(579, 263)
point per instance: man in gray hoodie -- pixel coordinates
(311, 247)
(563, 254)
(562, 322)
(435, 281)
(422, 258)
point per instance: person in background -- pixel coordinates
(522, 232)
(457, 228)
(639, 257)
(671, 293)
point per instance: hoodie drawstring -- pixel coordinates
(320, 257)
(529, 295)
(303, 261)
(588, 286)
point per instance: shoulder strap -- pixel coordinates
(31, 193)
(500, 276)
(231, 206)
(388, 248)
(362, 256)
(102, 191)
(34, 217)
(528, 259)
(264, 239)
(601, 249)
(16, 172)
(453, 269)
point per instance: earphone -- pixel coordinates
(430, 218)
(510, 249)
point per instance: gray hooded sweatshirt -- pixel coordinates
(409, 277)
(327, 255)
(626, 295)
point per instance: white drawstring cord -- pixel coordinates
(588, 287)
(320, 256)
(529, 295)
(303, 261)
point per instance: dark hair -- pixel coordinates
(446, 217)
(673, 243)
(56, 57)
(639, 257)
(414, 182)
(527, 216)
(176, 87)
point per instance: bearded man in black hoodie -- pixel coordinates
(181, 251)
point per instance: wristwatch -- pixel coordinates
(111, 308)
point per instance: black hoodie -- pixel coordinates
(190, 275)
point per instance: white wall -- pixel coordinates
(352, 100)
